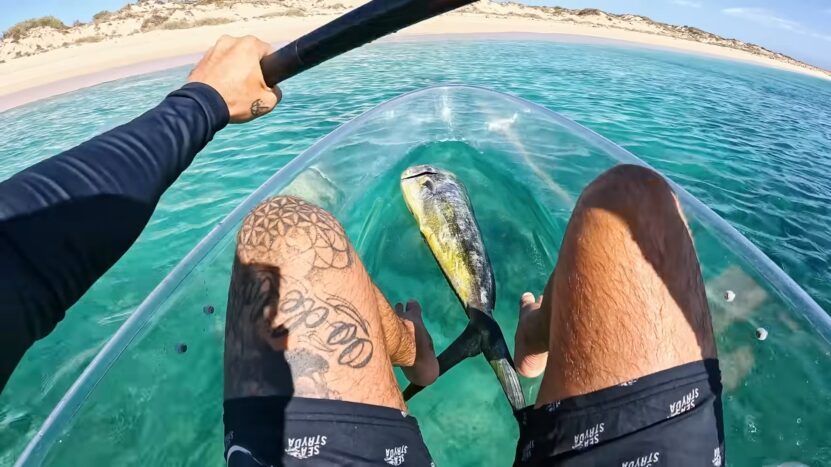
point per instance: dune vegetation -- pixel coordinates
(22, 29)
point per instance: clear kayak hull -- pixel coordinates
(153, 395)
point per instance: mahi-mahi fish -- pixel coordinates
(440, 205)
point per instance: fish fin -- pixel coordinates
(508, 378)
(467, 345)
(499, 357)
(505, 372)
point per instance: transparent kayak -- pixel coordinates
(153, 395)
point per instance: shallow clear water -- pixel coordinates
(753, 143)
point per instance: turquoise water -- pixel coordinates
(752, 143)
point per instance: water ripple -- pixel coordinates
(753, 143)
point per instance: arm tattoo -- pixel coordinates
(258, 108)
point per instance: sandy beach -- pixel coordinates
(41, 65)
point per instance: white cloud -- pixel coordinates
(688, 3)
(817, 35)
(768, 18)
(764, 17)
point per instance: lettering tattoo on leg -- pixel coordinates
(256, 359)
(350, 334)
(329, 324)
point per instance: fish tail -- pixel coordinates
(499, 358)
(507, 376)
(467, 345)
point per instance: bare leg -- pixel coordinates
(305, 319)
(626, 298)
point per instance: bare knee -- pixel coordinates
(645, 203)
(635, 206)
(632, 192)
(287, 229)
(626, 298)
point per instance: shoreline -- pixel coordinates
(91, 64)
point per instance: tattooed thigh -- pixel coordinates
(281, 310)
(286, 228)
(254, 360)
(276, 328)
(329, 324)
(309, 374)
(326, 336)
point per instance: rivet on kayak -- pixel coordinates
(181, 347)
(208, 309)
(761, 334)
(729, 295)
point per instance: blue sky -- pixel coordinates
(800, 28)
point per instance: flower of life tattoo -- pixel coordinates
(304, 226)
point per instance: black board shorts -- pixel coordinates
(672, 417)
(275, 431)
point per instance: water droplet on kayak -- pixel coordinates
(729, 295)
(181, 347)
(761, 334)
(208, 309)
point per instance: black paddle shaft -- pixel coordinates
(354, 29)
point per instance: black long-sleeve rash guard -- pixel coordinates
(66, 220)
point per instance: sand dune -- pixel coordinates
(44, 60)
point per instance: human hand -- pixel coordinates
(232, 68)
(531, 338)
(425, 368)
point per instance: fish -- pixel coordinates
(440, 205)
